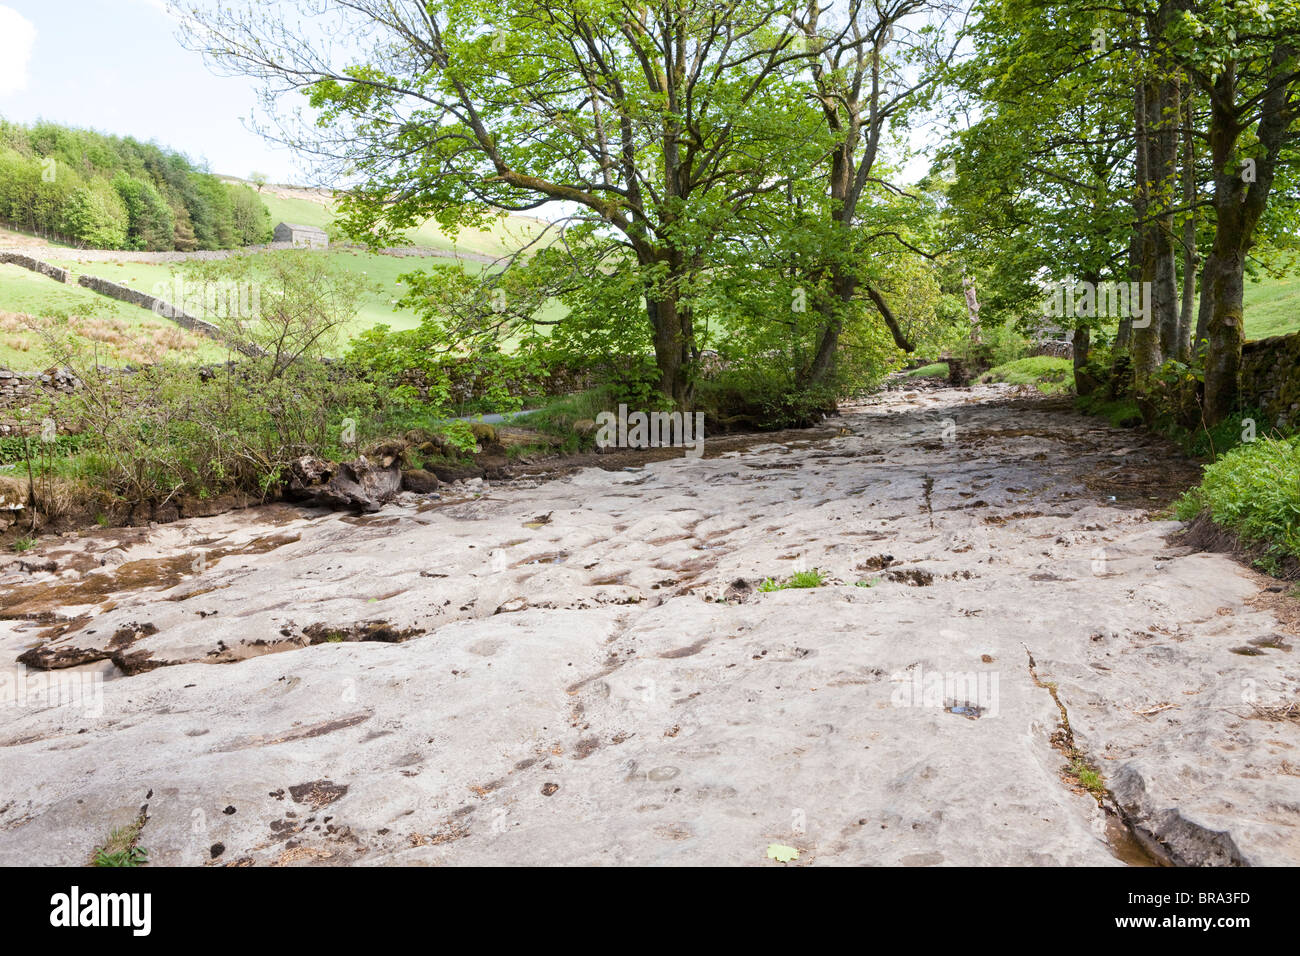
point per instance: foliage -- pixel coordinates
(121, 848)
(1253, 491)
(170, 429)
(112, 192)
(782, 853)
(285, 305)
(560, 415)
(15, 447)
(675, 199)
(998, 345)
(762, 398)
(1120, 413)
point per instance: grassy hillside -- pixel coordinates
(124, 334)
(380, 271)
(314, 208)
(1272, 306)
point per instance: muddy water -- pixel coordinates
(510, 676)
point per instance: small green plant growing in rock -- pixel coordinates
(1089, 778)
(24, 544)
(136, 856)
(121, 849)
(812, 578)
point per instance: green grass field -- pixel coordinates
(123, 333)
(1049, 375)
(508, 234)
(1272, 307)
(380, 272)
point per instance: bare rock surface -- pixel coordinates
(587, 669)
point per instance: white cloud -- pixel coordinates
(17, 37)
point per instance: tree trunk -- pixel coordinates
(823, 367)
(1164, 291)
(1190, 258)
(1146, 330)
(1224, 332)
(1202, 311)
(844, 288)
(671, 324)
(1084, 383)
(1225, 266)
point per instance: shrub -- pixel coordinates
(1253, 491)
(762, 398)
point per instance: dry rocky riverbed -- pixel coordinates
(583, 670)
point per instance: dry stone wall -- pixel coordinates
(1270, 379)
(35, 265)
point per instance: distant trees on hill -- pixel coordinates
(110, 192)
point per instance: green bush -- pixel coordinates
(165, 431)
(14, 448)
(763, 399)
(1253, 491)
(998, 345)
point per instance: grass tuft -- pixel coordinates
(800, 579)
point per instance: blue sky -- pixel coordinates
(116, 66)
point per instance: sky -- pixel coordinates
(116, 66)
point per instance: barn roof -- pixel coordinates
(297, 227)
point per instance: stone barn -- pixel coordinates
(301, 235)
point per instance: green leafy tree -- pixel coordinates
(149, 219)
(96, 216)
(660, 123)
